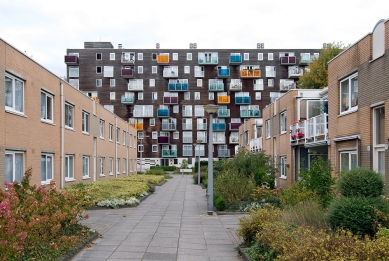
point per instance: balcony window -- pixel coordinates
(135, 85)
(199, 71)
(270, 71)
(187, 137)
(108, 71)
(201, 124)
(143, 111)
(202, 135)
(235, 58)
(170, 71)
(73, 71)
(258, 85)
(187, 150)
(128, 57)
(200, 150)
(235, 85)
(250, 71)
(208, 58)
(169, 124)
(187, 124)
(223, 151)
(178, 85)
(216, 85)
(286, 85)
(219, 137)
(163, 58)
(187, 110)
(199, 110)
(248, 111)
(349, 94)
(234, 137)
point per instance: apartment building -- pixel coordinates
(162, 92)
(49, 125)
(358, 95)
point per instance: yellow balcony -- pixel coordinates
(163, 58)
(245, 73)
(223, 99)
(137, 126)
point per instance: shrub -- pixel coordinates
(155, 171)
(295, 194)
(184, 164)
(202, 176)
(220, 203)
(305, 214)
(165, 168)
(357, 214)
(360, 182)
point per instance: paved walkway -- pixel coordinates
(171, 224)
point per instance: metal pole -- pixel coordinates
(210, 167)
(140, 161)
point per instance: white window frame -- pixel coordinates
(14, 170)
(268, 129)
(110, 132)
(117, 134)
(85, 167)
(258, 96)
(176, 135)
(197, 96)
(176, 109)
(260, 56)
(14, 96)
(140, 56)
(74, 71)
(154, 135)
(75, 83)
(69, 167)
(270, 56)
(270, 82)
(46, 177)
(69, 115)
(189, 56)
(140, 69)
(378, 130)
(187, 96)
(99, 56)
(270, 71)
(283, 167)
(154, 148)
(283, 122)
(199, 82)
(199, 110)
(175, 56)
(109, 108)
(140, 96)
(186, 69)
(154, 69)
(349, 105)
(101, 165)
(101, 128)
(85, 122)
(211, 96)
(117, 166)
(112, 82)
(124, 137)
(99, 82)
(350, 153)
(185, 150)
(110, 166)
(187, 137)
(152, 82)
(112, 96)
(112, 56)
(152, 121)
(99, 70)
(124, 164)
(154, 96)
(246, 56)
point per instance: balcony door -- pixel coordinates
(379, 139)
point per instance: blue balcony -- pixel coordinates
(128, 100)
(223, 73)
(218, 126)
(163, 113)
(223, 113)
(250, 113)
(176, 87)
(235, 59)
(169, 153)
(243, 100)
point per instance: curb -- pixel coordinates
(242, 252)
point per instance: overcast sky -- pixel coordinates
(44, 29)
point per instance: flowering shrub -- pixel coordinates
(115, 203)
(35, 220)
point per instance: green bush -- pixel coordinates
(357, 214)
(156, 171)
(295, 194)
(203, 165)
(360, 182)
(165, 168)
(202, 176)
(220, 203)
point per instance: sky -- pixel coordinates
(44, 29)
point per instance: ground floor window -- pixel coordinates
(14, 166)
(69, 167)
(85, 166)
(283, 173)
(47, 167)
(348, 160)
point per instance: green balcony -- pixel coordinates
(250, 113)
(223, 113)
(243, 100)
(128, 100)
(169, 153)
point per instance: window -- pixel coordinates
(140, 147)
(202, 135)
(186, 69)
(154, 96)
(140, 56)
(153, 56)
(110, 166)
(110, 130)
(140, 69)
(109, 107)
(102, 129)
(112, 82)
(270, 56)
(130, 165)
(112, 56)
(154, 69)
(176, 109)
(199, 82)
(117, 166)
(98, 69)
(283, 122)
(14, 166)
(99, 82)
(117, 134)
(258, 96)
(140, 95)
(85, 122)
(152, 82)
(152, 122)
(98, 56)
(69, 167)
(186, 137)
(349, 94)
(85, 167)
(154, 148)
(69, 111)
(73, 71)
(75, 83)
(154, 135)
(124, 137)
(197, 96)
(270, 71)
(379, 139)
(187, 96)
(211, 96)
(130, 140)
(108, 71)
(46, 168)
(176, 135)
(102, 166)
(199, 110)
(46, 107)
(186, 150)
(175, 56)
(268, 132)
(258, 85)
(348, 160)
(283, 173)
(112, 96)
(246, 56)
(270, 82)
(189, 56)
(201, 124)
(260, 56)
(140, 134)
(187, 110)
(14, 94)
(124, 165)
(199, 71)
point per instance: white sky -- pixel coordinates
(44, 29)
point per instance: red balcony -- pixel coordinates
(163, 140)
(127, 73)
(235, 125)
(287, 60)
(170, 100)
(71, 59)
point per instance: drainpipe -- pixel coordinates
(294, 163)
(116, 147)
(62, 139)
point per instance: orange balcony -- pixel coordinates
(223, 99)
(245, 73)
(137, 126)
(163, 58)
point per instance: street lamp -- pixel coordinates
(140, 152)
(211, 109)
(198, 143)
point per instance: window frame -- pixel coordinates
(101, 166)
(47, 112)
(85, 168)
(13, 92)
(15, 168)
(69, 119)
(350, 153)
(154, 148)
(283, 122)
(101, 128)
(283, 167)
(185, 152)
(112, 56)
(268, 129)
(68, 168)
(99, 82)
(85, 122)
(112, 82)
(350, 108)
(47, 179)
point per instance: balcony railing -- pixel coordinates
(245, 73)
(287, 60)
(135, 86)
(235, 86)
(223, 113)
(316, 128)
(235, 59)
(223, 99)
(137, 126)
(223, 73)
(256, 145)
(170, 100)
(128, 58)
(169, 153)
(170, 73)
(219, 140)
(71, 59)
(234, 140)
(223, 153)
(295, 72)
(243, 100)
(297, 132)
(287, 85)
(187, 126)
(201, 126)
(216, 86)
(163, 58)
(306, 58)
(219, 126)
(162, 113)
(128, 100)
(163, 140)
(235, 125)
(127, 73)
(169, 126)
(250, 113)
(187, 113)
(178, 87)
(208, 58)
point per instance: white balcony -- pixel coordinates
(316, 129)
(256, 145)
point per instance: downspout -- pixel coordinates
(116, 147)
(62, 137)
(294, 163)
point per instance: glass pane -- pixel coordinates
(49, 167)
(354, 91)
(381, 162)
(354, 161)
(18, 96)
(48, 104)
(19, 167)
(43, 106)
(9, 168)
(8, 92)
(380, 125)
(67, 167)
(344, 161)
(43, 168)
(345, 96)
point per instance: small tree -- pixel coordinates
(184, 164)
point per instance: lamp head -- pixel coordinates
(211, 108)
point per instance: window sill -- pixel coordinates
(69, 179)
(283, 177)
(283, 132)
(85, 133)
(47, 122)
(102, 138)
(348, 112)
(69, 128)
(84, 178)
(102, 175)
(15, 113)
(110, 174)
(47, 182)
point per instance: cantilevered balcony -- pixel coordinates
(235, 58)
(71, 59)
(295, 72)
(135, 85)
(219, 126)
(251, 111)
(286, 85)
(127, 72)
(163, 58)
(235, 126)
(137, 126)
(170, 72)
(243, 100)
(223, 72)
(163, 140)
(233, 139)
(219, 139)
(306, 58)
(128, 58)
(223, 99)
(223, 153)
(252, 71)
(170, 100)
(169, 153)
(256, 145)
(215, 85)
(163, 113)
(297, 133)
(287, 60)
(316, 129)
(128, 99)
(235, 85)
(208, 58)
(178, 86)
(169, 126)
(223, 113)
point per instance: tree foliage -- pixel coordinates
(316, 77)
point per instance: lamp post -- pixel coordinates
(140, 152)
(198, 166)
(211, 109)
